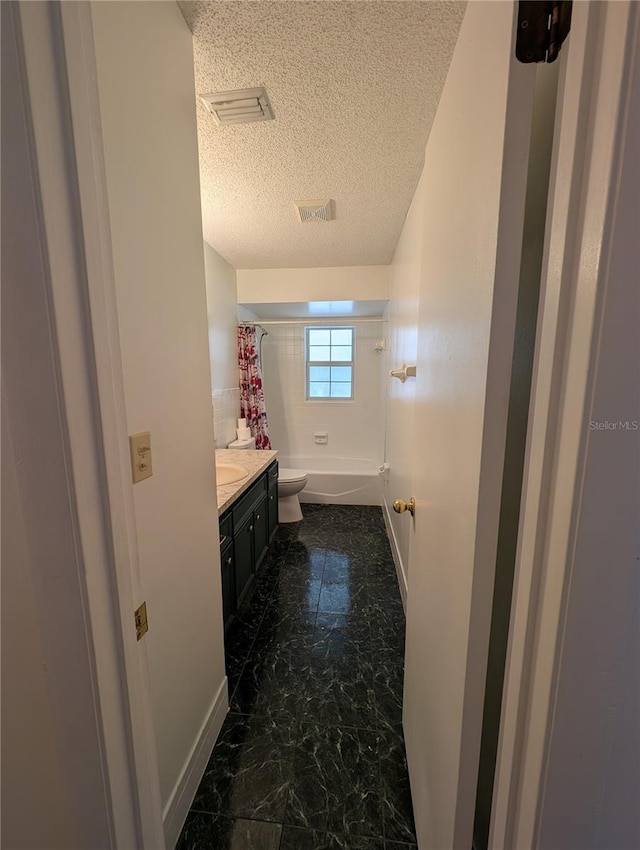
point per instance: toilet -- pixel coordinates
(290, 483)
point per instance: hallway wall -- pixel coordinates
(402, 335)
(147, 99)
(222, 314)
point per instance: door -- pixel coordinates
(272, 500)
(243, 557)
(228, 584)
(260, 531)
(474, 184)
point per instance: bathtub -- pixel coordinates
(337, 481)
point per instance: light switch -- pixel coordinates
(140, 449)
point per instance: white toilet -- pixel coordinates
(290, 483)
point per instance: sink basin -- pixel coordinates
(229, 473)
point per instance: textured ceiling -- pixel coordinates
(354, 87)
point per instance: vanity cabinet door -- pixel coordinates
(261, 531)
(228, 584)
(272, 499)
(244, 557)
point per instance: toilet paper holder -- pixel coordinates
(403, 372)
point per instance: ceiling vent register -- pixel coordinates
(315, 210)
(239, 107)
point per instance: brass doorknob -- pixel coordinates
(400, 506)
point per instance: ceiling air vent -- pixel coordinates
(315, 210)
(239, 107)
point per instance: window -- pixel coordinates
(329, 363)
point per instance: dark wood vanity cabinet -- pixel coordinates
(246, 529)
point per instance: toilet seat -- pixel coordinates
(290, 476)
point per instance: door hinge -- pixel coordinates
(542, 27)
(142, 625)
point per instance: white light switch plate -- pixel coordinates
(140, 450)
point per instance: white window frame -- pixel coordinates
(308, 363)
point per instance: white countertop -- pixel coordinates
(255, 461)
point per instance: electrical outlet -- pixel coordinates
(140, 450)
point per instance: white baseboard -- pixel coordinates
(177, 807)
(395, 552)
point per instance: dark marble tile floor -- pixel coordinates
(311, 755)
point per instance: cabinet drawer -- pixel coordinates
(246, 503)
(226, 529)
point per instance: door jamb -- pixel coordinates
(84, 303)
(77, 33)
(581, 199)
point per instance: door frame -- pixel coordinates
(590, 115)
(69, 169)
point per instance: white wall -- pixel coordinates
(355, 283)
(31, 767)
(147, 99)
(402, 336)
(353, 426)
(222, 313)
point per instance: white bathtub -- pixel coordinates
(337, 481)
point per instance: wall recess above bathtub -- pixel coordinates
(321, 437)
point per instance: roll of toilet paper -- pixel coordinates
(243, 433)
(242, 423)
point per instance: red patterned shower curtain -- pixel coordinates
(252, 406)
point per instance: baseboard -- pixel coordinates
(395, 552)
(179, 802)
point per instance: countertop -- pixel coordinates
(255, 461)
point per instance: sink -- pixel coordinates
(229, 473)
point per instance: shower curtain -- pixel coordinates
(252, 407)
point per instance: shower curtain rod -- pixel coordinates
(342, 320)
(253, 325)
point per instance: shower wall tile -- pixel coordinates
(226, 411)
(355, 427)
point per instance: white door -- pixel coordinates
(474, 183)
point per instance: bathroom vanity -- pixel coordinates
(248, 518)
